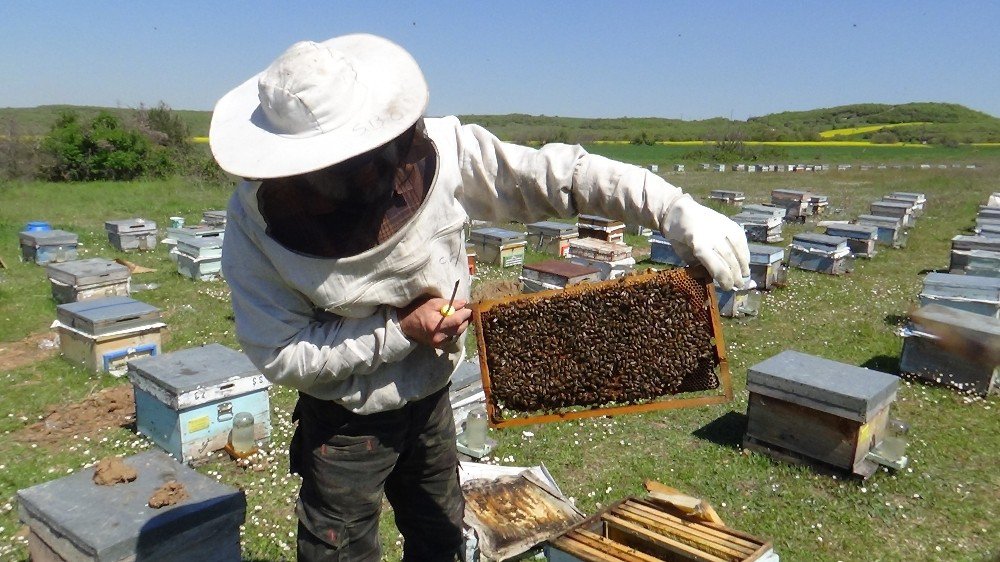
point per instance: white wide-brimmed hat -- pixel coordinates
(316, 105)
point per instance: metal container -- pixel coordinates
(131, 234)
(86, 279)
(104, 334)
(810, 408)
(185, 400)
(556, 274)
(891, 231)
(48, 246)
(602, 228)
(861, 238)
(662, 251)
(72, 518)
(766, 267)
(945, 346)
(979, 295)
(551, 237)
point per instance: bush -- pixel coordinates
(884, 137)
(100, 150)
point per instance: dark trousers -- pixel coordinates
(348, 460)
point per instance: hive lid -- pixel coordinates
(973, 287)
(918, 197)
(595, 220)
(901, 205)
(551, 228)
(106, 315)
(196, 375)
(130, 226)
(880, 221)
(855, 231)
(966, 242)
(762, 254)
(822, 384)
(562, 268)
(48, 238)
(115, 522)
(90, 271)
(493, 234)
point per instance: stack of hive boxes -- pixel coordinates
(198, 250)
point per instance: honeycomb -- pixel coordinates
(626, 341)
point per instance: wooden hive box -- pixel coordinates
(185, 400)
(131, 234)
(979, 295)
(727, 196)
(104, 334)
(767, 269)
(946, 346)
(199, 258)
(641, 530)
(818, 409)
(608, 348)
(214, 218)
(759, 227)
(72, 519)
(602, 228)
(775, 211)
(662, 251)
(861, 238)
(48, 246)
(551, 237)
(821, 253)
(612, 258)
(902, 210)
(556, 274)
(890, 229)
(499, 246)
(962, 245)
(981, 263)
(918, 200)
(795, 202)
(87, 279)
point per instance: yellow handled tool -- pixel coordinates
(448, 309)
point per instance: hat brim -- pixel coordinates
(244, 143)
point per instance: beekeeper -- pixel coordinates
(342, 246)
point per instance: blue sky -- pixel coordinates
(677, 59)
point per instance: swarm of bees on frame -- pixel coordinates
(625, 342)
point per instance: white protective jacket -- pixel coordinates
(328, 327)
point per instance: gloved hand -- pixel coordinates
(699, 234)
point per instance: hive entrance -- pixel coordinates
(621, 345)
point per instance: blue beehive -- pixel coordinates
(185, 401)
(131, 234)
(962, 245)
(48, 246)
(980, 295)
(73, 518)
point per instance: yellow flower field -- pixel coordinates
(851, 131)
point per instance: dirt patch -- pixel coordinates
(113, 470)
(14, 354)
(171, 493)
(497, 289)
(108, 408)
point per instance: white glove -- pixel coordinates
(699, 234)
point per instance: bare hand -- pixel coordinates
(422, 321)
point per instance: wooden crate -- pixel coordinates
(579, 332)
(86, 279)
(641, 530)
(551, 237)
(104, 334)
(131, 234)
(601, 228)
(556, 274)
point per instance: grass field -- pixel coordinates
(945, 506)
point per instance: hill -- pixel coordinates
(941, 123)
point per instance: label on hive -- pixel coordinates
(626, 341)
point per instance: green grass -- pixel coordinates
(945, 506)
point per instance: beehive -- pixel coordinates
(499, 246)
(551, 237)
(902, 210)
(587, 349)
(104, 334)
(795, 202)
(980, 295)
(821, 253)
(946, 346)
(766, 268)
(759, 227)
(602, 228)
(962, 245)
(48, 246)
(556, 274)
(131, 234)
(612, 258)
(891, 231)
(93, 278)
(861, 238)
(662, 251)
(727, 196)
(917, 200)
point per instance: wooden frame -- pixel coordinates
(698, 274)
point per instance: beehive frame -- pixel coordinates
(695, 274)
